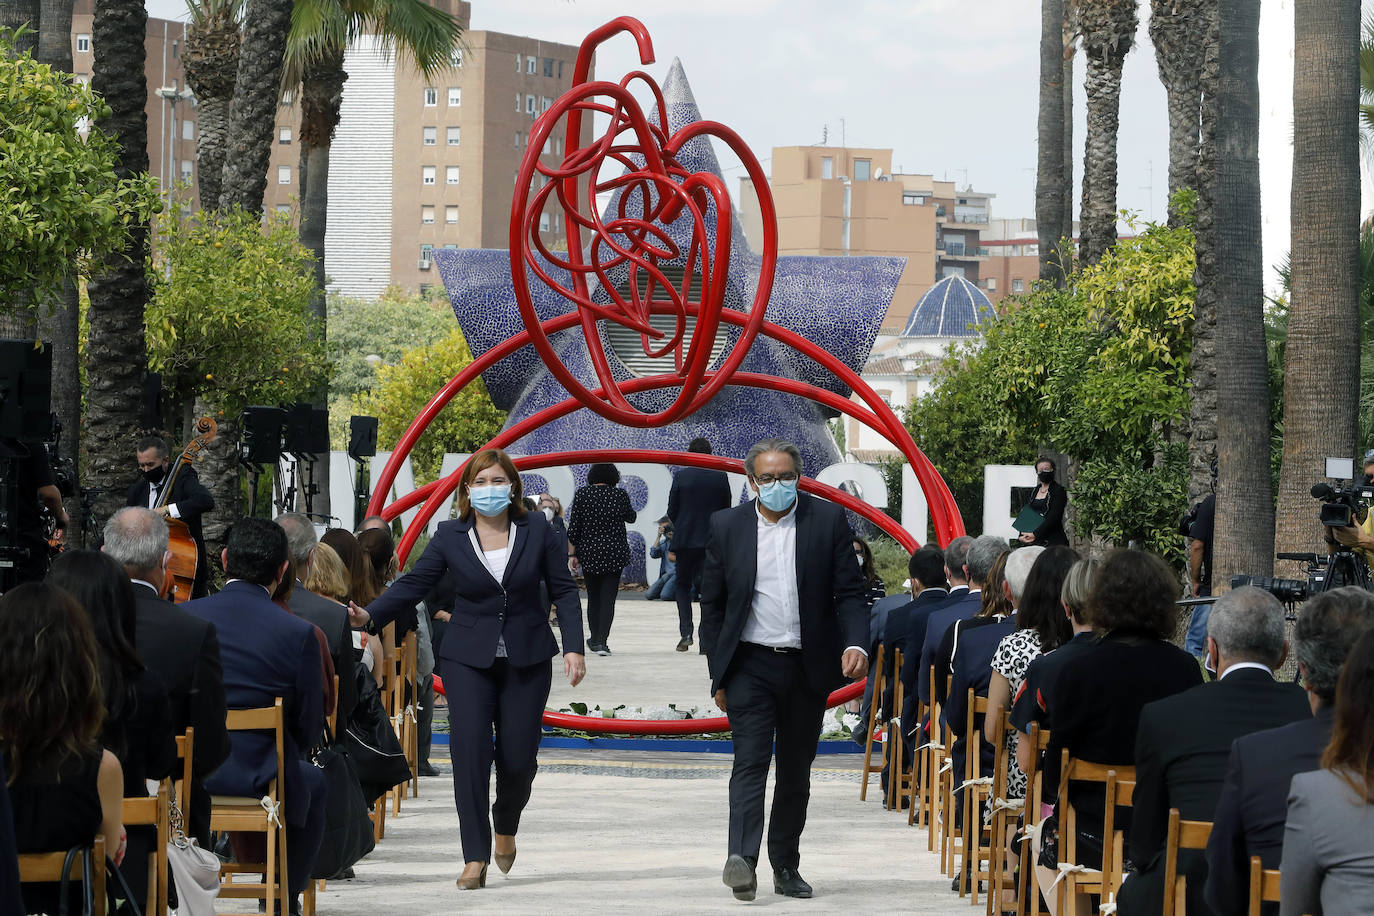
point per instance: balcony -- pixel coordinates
(964, 216)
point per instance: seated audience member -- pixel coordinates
(929, 591)
(330, 616)
(1031, 704)
(874, 589)
(1183, 741)
(1253, 803)
(180, 648)
(978, 562)
(268, 654)
(328, 578)
(1097, 697)
(1328, 840)
(956, 573)
(997, 605)
(64, 789)
(351, 555)
(281, 597)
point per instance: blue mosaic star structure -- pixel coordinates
(837, 302)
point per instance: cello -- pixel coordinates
(181, 568)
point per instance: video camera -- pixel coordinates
(1343, 508)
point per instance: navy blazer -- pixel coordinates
(918, 615)
(830, 589)
(266, 653)
(963, 606)
(485, 610)
(696, 495)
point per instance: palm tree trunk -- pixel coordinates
(219, 470)
(1108, 28)
(1202, 371)
(252, 115)
(1050, 187)
(212, 129)
(1070, 47)
(211, 60)
(116, 356)
(1245, 508)
(1322, 355)
(1178, 29)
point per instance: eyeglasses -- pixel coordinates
(765, 479)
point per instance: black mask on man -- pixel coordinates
(1046, 476)
(154, 475)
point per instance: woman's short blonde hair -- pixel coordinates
(328, 576)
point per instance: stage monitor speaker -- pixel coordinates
(260, 439)
(25, 390)
(362, 437)
(307, 430)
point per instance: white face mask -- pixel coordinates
(548, 513)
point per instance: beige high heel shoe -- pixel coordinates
(468, 882)
(505, 860)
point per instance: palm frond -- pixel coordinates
(419, 33)
(202, 11)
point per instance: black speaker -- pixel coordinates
(260, 439)
(362, 437)
(25, 390)
(307, 430)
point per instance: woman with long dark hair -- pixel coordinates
(1328, 839)
(599, 545)
(874, 588)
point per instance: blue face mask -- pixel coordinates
(490, 501)
(779, 495)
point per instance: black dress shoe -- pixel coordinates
(788, 883)
(739, 877)
(428, 769)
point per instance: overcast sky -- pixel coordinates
(949, 85)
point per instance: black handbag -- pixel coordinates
(347, 828)
(372, 744)
(122, 886)
(88, 889)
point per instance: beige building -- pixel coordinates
(846, 201)
(171, 108)
(419, 164)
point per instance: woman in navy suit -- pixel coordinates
(495, 657)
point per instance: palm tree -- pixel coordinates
(1070, 39)
(211, 60)
(115, 353)
(1321, 361)
(1051, 186)
(1202, 370)
(1178, 29)
(1108, 30)
(252, 113)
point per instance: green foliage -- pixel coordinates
(63, 210)
(230, 317)
(1097, 371)
(889, 561)
(467, 423)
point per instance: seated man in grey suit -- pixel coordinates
(1253, 806)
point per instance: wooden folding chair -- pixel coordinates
(1264, 885)
(918, 786)
(1027, 889)
(937, 767)
(153, 812)
(1003, 810)
(403, 719)
(948, 831)
(976, 791)
(896, 775)
(878, 686)
(1076, 879)
(1182, 835)
(44, 867)
(181, 787)
(257, 815)
(1120, 794)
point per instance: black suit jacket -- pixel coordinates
(1253, 806)
(485, 610)
(332, 619)
(962, 606)
(830, 589)
(696, 494)
(183, 650)
(188, 493)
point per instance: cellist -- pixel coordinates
(186, 498)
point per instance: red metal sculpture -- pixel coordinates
(655, 190)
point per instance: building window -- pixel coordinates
(188, 130)
(427, 215)
(518, 61)
(862, 169)
(451, 215)
(186, 168)
(546, 104)
(426, 255)
(83, 43)
(427, 174)
(530, 63)
(283, 174)
(284, 135)
(431, 96)
(288, 97)
(548, 146)
(518, 99)
(913, 199)
(560, 69)
(284, 209)
(455, 58)
(431, 135)
(176, 51)
(992, 284)
(548, 66)
(453, 136)
(1018, 285)
(529, 104)
(451, 174)
(544, 221)
(450, 247)
(827, 166)
(517, 139)
(558, 146)
(455, 96)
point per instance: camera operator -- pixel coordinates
(1359, 537)
(34, 488)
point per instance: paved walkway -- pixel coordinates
(643, 832)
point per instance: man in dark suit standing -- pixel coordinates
(1183, 741)
(188, 499)
(331, 617)
(696, 494)
(268, 653)
(183, 649)
(1253, 807)
(783, 623)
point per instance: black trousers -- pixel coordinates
(769, 699)
(601, 591)
(689, 562)
(508, 701)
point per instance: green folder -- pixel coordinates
(1028, 520)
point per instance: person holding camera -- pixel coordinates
(664, 587)
(1359, 537)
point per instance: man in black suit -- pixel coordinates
(1182, 741)
(1253, 806)
(956, 573)
(783, 623)
(329, 616)
(183, 649)
(268, 653)
(188, 499)
(929, 589)
(696, 494)
(981, 556)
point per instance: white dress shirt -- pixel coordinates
(775, 618)
(1239, 665)
(154, 491)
